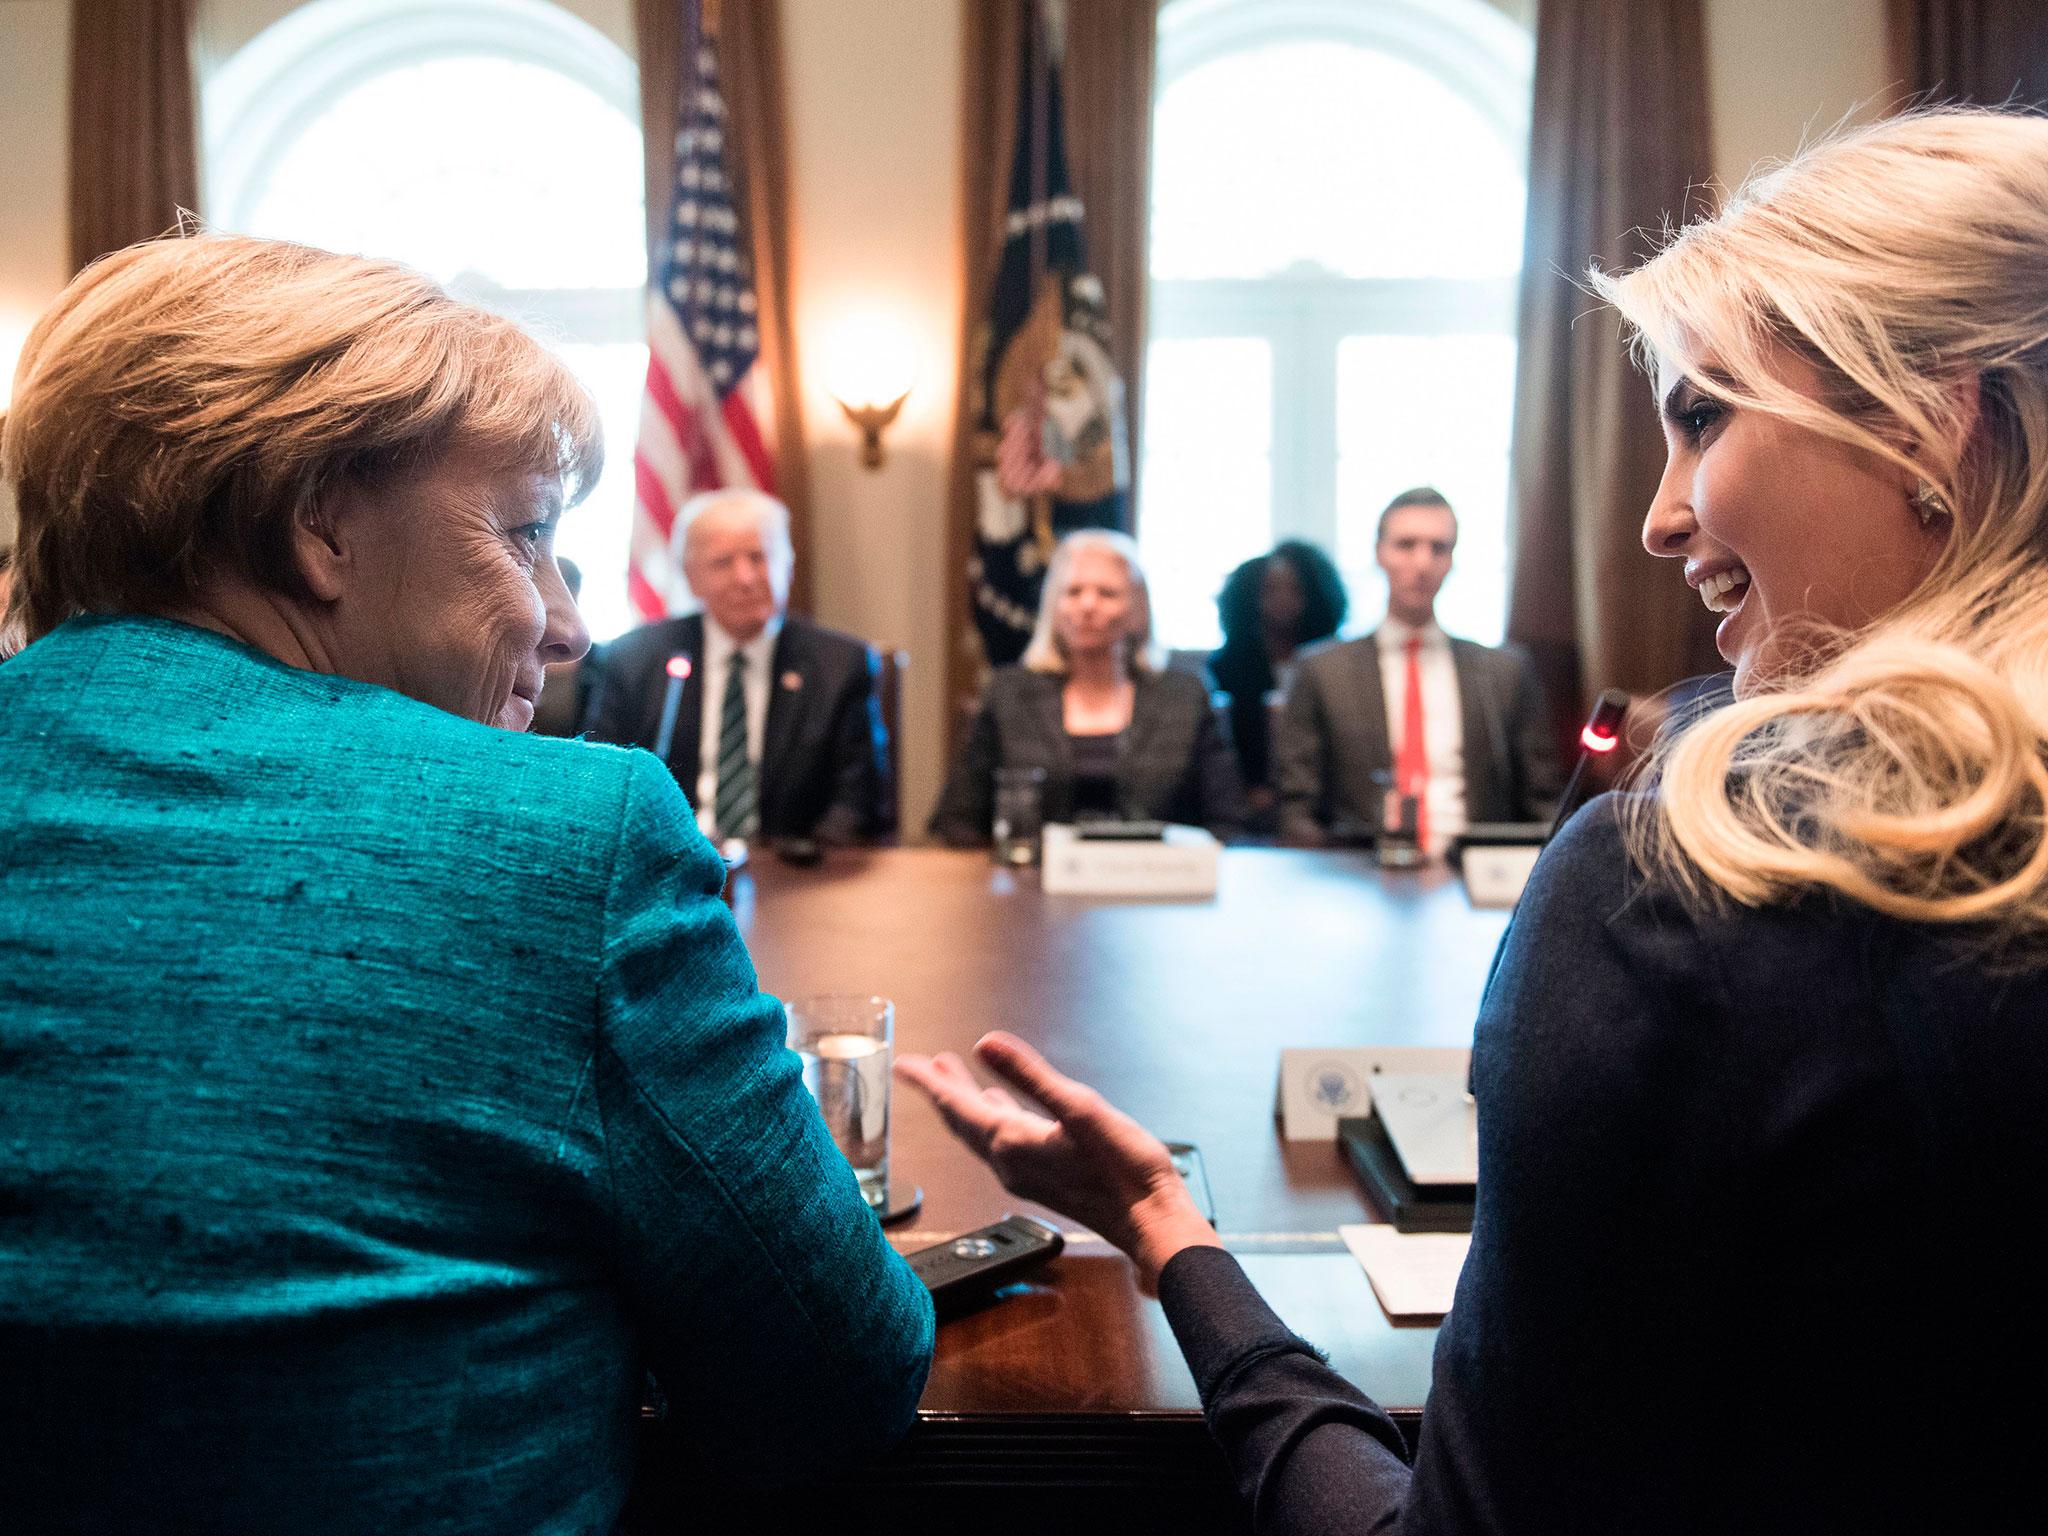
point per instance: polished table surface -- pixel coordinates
(1177, 1011)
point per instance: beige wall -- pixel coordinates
(1780, 71)
(225, 25)
(875, 98)
(875, 94)
(35, 41)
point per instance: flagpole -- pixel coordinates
(1041, 154)
(1041, 229)
(693, 43)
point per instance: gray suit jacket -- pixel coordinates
(1173, 762)
(1333, 738)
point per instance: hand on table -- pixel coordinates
(1090, 1161)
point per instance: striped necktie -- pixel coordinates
(733, 809)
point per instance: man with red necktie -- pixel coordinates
(1411, 711)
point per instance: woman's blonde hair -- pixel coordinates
(1906, 264)
(184, 404)
(1045, 652)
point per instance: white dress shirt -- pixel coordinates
(1443, 720)
(718, 651)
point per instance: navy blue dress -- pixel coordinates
(1751, 1250)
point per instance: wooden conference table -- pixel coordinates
(1177, 1011)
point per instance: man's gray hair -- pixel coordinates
(1046, 652)
(770, 516)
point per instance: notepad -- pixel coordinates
(1414, 1274)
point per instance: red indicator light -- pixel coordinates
(1594, 741)
(679, 667)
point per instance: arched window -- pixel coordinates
(1337, 197)
(494, 144)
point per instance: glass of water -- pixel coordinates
(845, 1043)
(1019, 815)
(1399, 845)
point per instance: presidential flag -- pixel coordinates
(1050, 448)
(698, 428)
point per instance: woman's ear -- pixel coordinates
(1965, 415)
(1930, 485)
(319, 550)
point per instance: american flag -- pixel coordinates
(698, 430)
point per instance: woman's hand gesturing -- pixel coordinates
(1089, 1161)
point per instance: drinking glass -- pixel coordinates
(845, 1043)
(1397, 845)
(1020, 814)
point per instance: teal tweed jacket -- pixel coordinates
(381, 1097)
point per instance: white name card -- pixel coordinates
(1178, 866)
(1414, 1274)
(1495, 875)
(1320, 1086)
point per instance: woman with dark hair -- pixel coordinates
(1271, 606)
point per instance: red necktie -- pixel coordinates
(1411, 768)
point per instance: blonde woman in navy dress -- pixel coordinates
(1763, 1070)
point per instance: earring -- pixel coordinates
(1928, 503)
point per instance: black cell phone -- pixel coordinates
(967, 1269)
(1120, 831)
(1187, 1162)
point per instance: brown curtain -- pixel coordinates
(1106, 80)
(1987, 51)
(1617, 135)
(134, 139)
(748, 37)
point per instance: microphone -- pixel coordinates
(678, 673)
(1601, 736)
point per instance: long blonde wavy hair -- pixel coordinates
(1901, 765)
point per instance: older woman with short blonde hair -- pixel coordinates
(1116, 737)
(1763, 1065)
(399, 1087)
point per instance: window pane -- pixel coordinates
(469, 164)
(495, 175)
(596, 533)
(1334, 155)
(1206, 490)
(1427, 410)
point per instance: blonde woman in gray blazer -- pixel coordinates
(1118, 737)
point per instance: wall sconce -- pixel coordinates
(871, 419)
(871, 374)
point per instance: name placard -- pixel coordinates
(1495, 875)
(1326, 1084)
(1320, 1085)
(1179, 865)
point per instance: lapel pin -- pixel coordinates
(791, 681)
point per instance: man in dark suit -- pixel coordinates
(1409, 710)
(9, 641)
(777, 731)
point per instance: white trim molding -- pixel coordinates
(1481, 56)
(254, 104)
(1470, 46)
